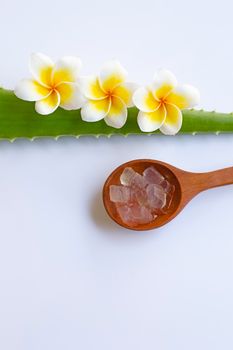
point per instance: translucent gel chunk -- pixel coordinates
(166, 186)
(119, 194)
(152, 176)
(134, 214)
(129, 177)
(170, 196)
(124, 212)
(140, 196)
(145, 216)
(156, 196)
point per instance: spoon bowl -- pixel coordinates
(187, 185)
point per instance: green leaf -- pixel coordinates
(19, 119)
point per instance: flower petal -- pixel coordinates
(184, 96)
(41, 68)
(152, 121)
(71, 96)
(117, 114)
(66, 70)
(31, 90)
(91, 88)
(145, 100)
(95, 110)
(111, 75)
(164, 82)
(125, 92)
(173, 121)
(49, 104)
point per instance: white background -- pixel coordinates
(72, 279)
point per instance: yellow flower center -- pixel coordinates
(109, 93)
(53, 87)
(162, 101)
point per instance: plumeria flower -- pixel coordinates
(53, 84)
(161, 103)
(108, 96)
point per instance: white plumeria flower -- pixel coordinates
(108, 95)
(53, 84)
(161, 103)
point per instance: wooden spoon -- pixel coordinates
(187, 186)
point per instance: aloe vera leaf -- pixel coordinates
(19, 119)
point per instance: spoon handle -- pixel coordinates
(204, 181)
